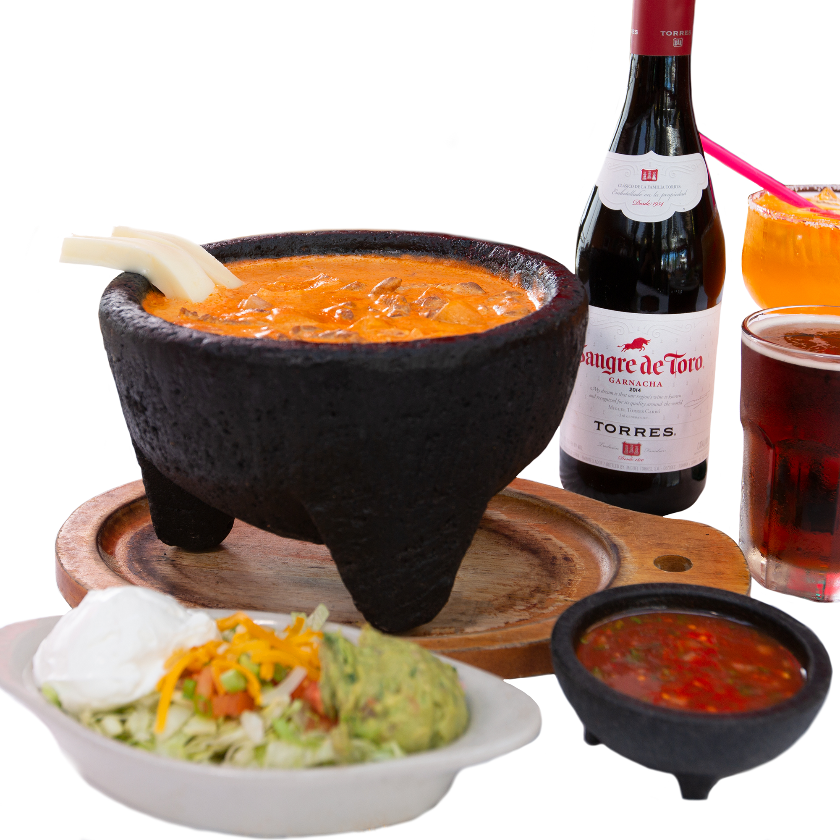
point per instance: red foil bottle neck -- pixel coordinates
(662, 27)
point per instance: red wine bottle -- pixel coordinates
(650, 252)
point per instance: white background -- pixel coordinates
(487, 119)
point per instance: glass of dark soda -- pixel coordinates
(790, 411)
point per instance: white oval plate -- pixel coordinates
(270, 802)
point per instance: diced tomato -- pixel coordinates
(204, 684)
(310, 692)
(232, 705)
(205, 688)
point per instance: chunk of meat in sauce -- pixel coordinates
(371, 326)
(304, 331)
(512, 310)
(323, 281)
(428, 305)
(389, 284)
(512, 303)
(457, 312)
(341, 312)
(394, 306)
(344, 336)
(468, 289)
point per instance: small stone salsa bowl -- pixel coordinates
(387, 453)
(699, 748)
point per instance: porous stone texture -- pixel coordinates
(387, 453)
(699, 748)
(178, 517)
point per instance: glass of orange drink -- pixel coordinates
(791, 254)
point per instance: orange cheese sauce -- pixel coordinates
(351, 299)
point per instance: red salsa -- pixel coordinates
(695, 662)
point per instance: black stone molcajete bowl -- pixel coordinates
(699, 748)
(387, 453)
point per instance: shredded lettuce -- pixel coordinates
(275, 736)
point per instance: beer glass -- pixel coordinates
(790, 411)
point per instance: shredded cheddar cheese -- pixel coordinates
(265, 649)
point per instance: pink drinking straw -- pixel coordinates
(761, 178)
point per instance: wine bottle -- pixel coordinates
(650, 252)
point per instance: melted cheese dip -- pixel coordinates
(351, 299)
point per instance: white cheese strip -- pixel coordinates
(165, 266)
(216, 271)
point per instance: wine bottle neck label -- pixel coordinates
(652, 187)
(662, 27)
(642, 400)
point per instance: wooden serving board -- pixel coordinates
(538, 550)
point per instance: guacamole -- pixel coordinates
(387, 690)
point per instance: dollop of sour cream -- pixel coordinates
(111, 649)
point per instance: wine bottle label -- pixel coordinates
(661, 27)
(652, 187)
(642, 400)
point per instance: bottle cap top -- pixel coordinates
(662, 27)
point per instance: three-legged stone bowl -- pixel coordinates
(387, 453)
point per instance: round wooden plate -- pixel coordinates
(538, 550)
